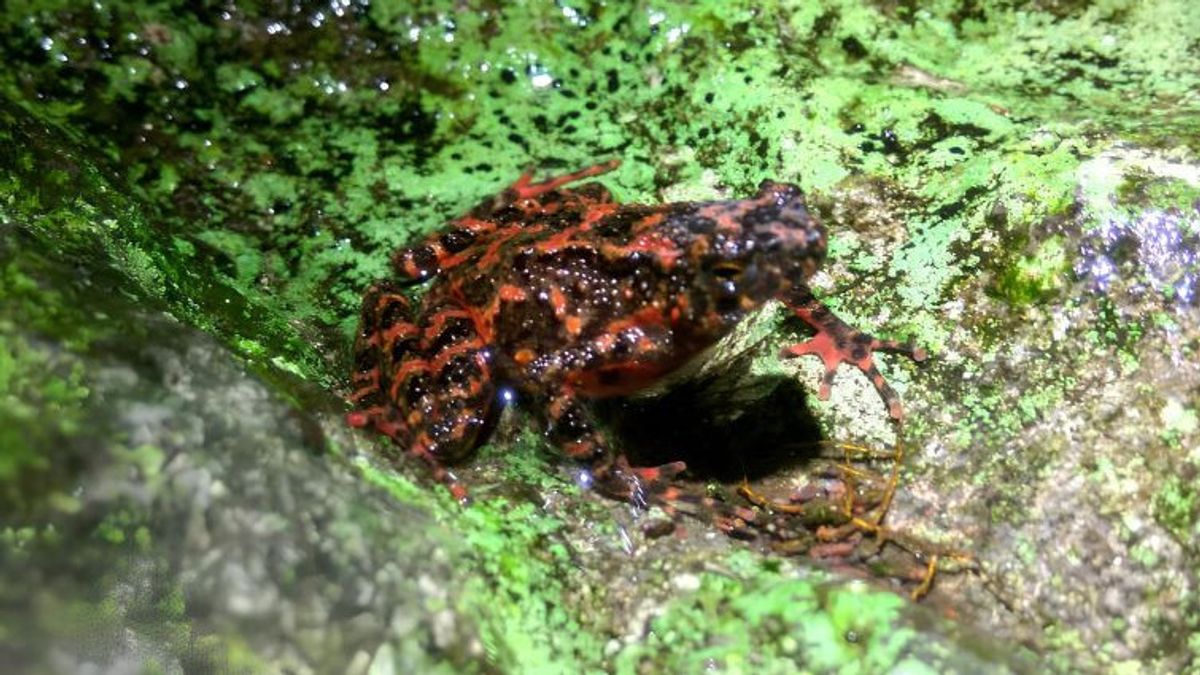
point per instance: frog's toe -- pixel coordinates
(908, 349)
(890, 398)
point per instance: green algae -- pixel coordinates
(1035, 278)
(749, 618)
(745, 614)
(51, 436)
(42, 387)
(748, 109)
(67, 203)
(432, 163)
(515, 562)
(257, 203)
(779, 627)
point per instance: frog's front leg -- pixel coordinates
(836, 342)
(573, 429)
(571, 375)
(610, 365)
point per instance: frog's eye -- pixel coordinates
(727, 270)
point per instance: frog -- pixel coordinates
(554, 292)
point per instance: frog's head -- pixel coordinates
(763, 246)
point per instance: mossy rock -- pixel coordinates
(191, 203)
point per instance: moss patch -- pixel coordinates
(995, 178)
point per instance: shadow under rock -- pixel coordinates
(723, 436)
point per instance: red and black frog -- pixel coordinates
(566, 296)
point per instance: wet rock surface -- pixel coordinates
(191, 203)
(205, 525)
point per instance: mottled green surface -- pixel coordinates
(192, 201)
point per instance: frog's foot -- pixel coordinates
(638, 485)
(441, 474)
(646, 486)
(394, 429)
(573, 428)
(837, 342)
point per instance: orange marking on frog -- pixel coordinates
(723, 214)
(573, 324)
(403, 371)
(646, 316)
(384, 300)
(450, 353)
(596, 213)
(605, 342)
(474, 225)
(559, 241)
(410, 267)
(423, 443)
(399, 330)
(524, 189)
(658, 246)
(475, 386)
(558, 302)
(511, 293)
(438, 251)
(389, 428)
(558, 406)
(679, 310)
(371, 384)
(438, 324)
(580, 449)
(649, 222)
(491, 255)
(618, 379)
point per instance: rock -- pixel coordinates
(190, 207)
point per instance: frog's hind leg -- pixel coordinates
(427, 385)
(385, 334)
(525, 188)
